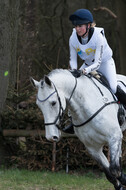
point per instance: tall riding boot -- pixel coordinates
(121, 95)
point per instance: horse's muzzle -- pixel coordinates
(55, 139)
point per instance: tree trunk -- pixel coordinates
(13, 25)
(121, 21)
(8, 41)
(4, 51)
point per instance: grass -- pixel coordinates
(35, 180)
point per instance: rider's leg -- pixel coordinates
(109, 71)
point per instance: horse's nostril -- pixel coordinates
(55, 138)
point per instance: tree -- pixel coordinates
(8, 42)
(8, 32)
(121, 22)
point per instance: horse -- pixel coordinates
(93, 109)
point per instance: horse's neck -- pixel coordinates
(80, 102)
(80, 97)
(65, 82)
(86, 99)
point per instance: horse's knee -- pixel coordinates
(120, 187)
(115, 153)
(115, 170)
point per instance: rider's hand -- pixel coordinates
(84, 71)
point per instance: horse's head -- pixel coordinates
(51, 102)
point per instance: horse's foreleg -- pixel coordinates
(115, 159)
(122, 177)
(115, 145)
(101, 159)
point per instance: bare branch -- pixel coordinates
(106, 9)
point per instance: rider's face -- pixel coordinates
(81, 29)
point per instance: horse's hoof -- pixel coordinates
(122, 188)
(122, 179)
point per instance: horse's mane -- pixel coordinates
(59, 71)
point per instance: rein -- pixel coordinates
(100, 109)
(62, 112)
(88, 120)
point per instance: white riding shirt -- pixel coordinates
(93, 53)
(96, 54)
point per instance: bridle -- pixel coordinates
(61, 112)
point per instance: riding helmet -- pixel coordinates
(81, 16)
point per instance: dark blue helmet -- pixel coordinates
(81, 16)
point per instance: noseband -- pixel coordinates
(61, 113)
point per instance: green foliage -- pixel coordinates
(21, 111)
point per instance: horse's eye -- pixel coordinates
(53, 103)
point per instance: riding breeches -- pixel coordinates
(109, 71)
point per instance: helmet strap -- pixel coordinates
(87, 29)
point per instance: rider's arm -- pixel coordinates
(73, 56)
(98, 56)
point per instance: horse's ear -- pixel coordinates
(47, 80)
(34, 83)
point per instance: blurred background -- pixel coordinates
(35, 40)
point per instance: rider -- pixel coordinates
(90, 44)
